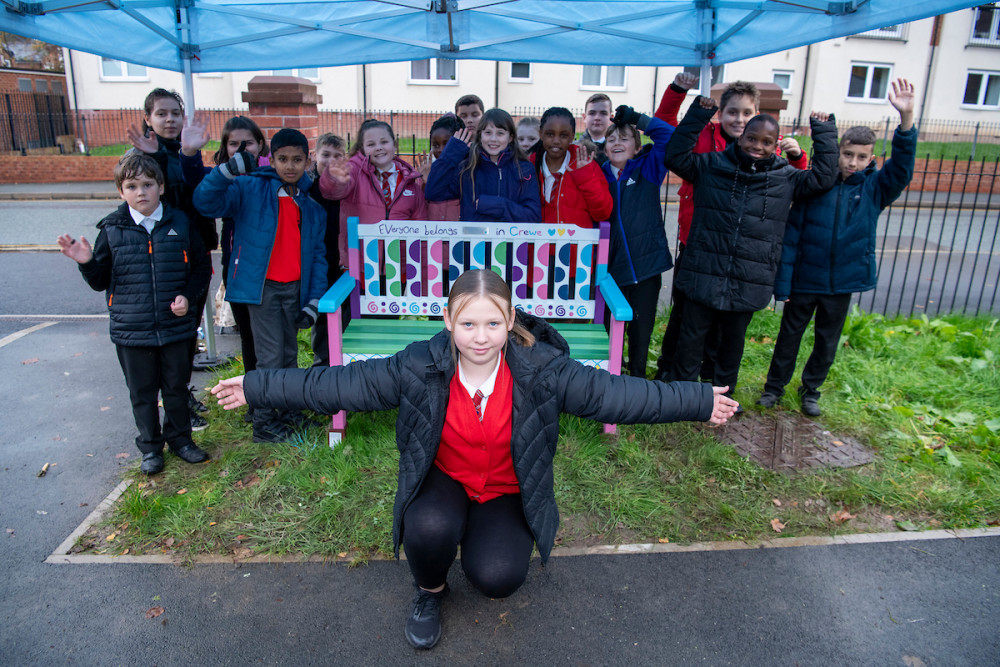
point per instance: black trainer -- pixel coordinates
(810, 406)
(272, 432)
(198, 423)
(423, 626)
(767, 400)
(194, 404)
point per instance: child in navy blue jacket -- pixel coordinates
(829, 251)
(278, 262)
(151, 261)
(639, 253)
(485, 169)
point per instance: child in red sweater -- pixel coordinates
(573, 187)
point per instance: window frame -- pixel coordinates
(696, 70)
(603, 85)
(989, 42)
(871, 66)
(897, 35)
(791, 79)
(432, 79)
(124, 76)
(982, 90)
(25, 85)
(520, 79)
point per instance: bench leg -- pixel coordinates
(338, 424)
(616, 342)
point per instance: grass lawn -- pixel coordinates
(925, 394)
(933, 150)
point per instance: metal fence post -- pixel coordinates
(975, 140)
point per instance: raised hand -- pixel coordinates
(79, 251)
(584, 156)
(422, 163)
(194, 134)
(230, 393)
(142, 142)
(242, 162)
(790, 148)
(903, 98)
(821, 116)
(686, 80)
(625, 114)
(466, 135)
(723, 407)
(339, 171)
(706, 102)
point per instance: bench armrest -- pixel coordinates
(613, 297)
(338, 293)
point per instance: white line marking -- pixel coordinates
(6, 340)
(25, 316)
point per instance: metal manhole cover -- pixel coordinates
(789, 442)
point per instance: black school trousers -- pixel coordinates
(495, 538)
(831, 313)
(161, 370)
(696, 323)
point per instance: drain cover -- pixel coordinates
(789, 442)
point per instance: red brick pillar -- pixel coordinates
(277, 102)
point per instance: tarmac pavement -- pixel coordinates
(926, 602)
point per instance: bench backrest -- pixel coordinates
(406, 267)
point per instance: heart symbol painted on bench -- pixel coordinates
(552, 232)
(561, 232)
(571, 231)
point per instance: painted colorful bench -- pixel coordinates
(406, 268)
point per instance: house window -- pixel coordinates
(24, 85)
(520, 73)
(718, 73)
(41, 86)
(117, 70)
(890, 32)
(982, 89)
(56, 88)
(869, 81)
(311, 73)
(438, 71)
(986, 26)
(783, 79)
(606, 77)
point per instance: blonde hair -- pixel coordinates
(483, 283)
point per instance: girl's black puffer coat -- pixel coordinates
(740, 209)
(546, 383)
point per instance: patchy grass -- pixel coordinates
(924, 393)
(932, 150)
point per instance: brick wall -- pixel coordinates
(62, 168)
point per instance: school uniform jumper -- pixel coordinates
(502, 191)
(828, 255)
(579, 196)
(734, 247)
(639, 252)
(545, 383)
(142, 272)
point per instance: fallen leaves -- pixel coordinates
(26, 362)
(841, 516)
(181, 492)
(777, 526)
(153, 612)
(777, 503)
(44, 470)
(105, 408)
(250, 480)
(122, 455)
(664, 540)
(111, 537)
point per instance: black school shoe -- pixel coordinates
(423, 626)
(767, 400)
(152, 463)
(191, 453)
(273, 432)
(810, 406)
